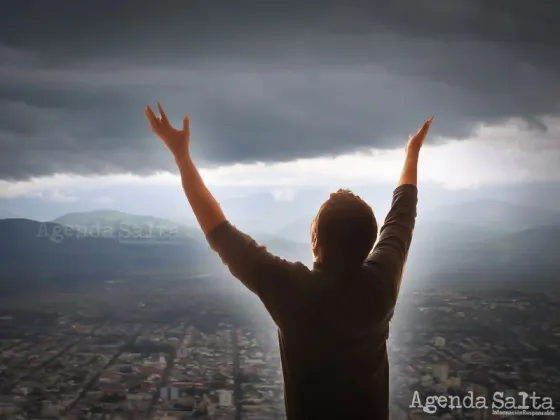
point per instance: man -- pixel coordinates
(333, 320)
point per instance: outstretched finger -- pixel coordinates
(186, 126)
(154, 121)
(164, 118)
(427, 124)
(422, 131)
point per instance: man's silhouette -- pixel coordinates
(333, 320)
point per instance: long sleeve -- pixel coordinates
(391, 251)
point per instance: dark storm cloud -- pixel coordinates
(262, 82)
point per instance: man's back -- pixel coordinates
(333, 348)
(333, 324)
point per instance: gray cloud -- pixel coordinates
(261, 83)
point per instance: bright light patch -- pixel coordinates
(494, 155)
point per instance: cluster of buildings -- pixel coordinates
(192, 359)
(495, 346)
(200, 379)
(157, 372)
(260, 375)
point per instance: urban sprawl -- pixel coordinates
(205, 348)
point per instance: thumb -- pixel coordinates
(186, 126)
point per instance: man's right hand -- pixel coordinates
(177, 141)
(416, 141)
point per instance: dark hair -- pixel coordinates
(344, 230)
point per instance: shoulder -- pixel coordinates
(294, 270)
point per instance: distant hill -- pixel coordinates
(480, 240)
(524, 256)
(299, 230)
(450, 234)
(496, 215)
(457, 227)
(480, 215)
(34, 253)
(530, 247)
(486, 240)
(466, 244)
(125, 226)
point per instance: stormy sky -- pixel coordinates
(277, 82)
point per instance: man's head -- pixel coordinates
(344, 231)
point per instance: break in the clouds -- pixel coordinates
(263, 82)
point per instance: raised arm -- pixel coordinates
(396, 234)
(263, 273)
(205, 207)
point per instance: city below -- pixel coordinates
(205, 348)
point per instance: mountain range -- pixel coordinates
(45, 255)
(473, 241)
(126, 226)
